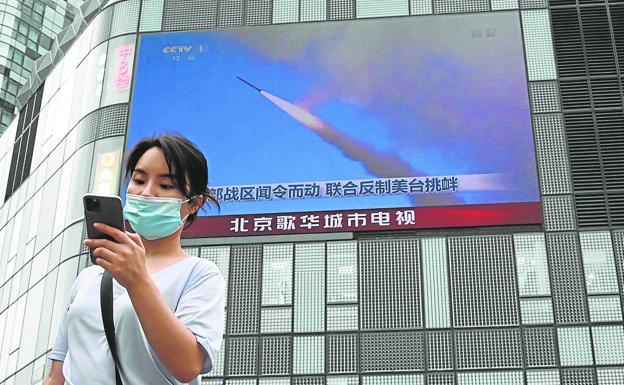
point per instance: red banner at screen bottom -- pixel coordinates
(367, 220)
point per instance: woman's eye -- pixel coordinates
(137, 181)
(166, 186)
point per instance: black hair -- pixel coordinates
(185, 161)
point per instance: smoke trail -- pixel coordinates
(383, 165)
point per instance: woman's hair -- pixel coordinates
(185, 161)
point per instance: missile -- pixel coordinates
(249, 84)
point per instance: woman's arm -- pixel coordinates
(176, 347)
(55, 377)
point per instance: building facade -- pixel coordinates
(506, 305)
(28, 30)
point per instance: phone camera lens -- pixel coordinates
(91, 204)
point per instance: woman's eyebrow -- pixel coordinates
(141, 171)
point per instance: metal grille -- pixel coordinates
(480, 349)
(540, 347)
(342, 351)
(460, 6)
(87, 129)
(577, 377)
(275, 355)
(545, 97)
(568, 43)
(244, 284)
(390, 266)
(341, 9)
(525, 4)
(490, 378)
(538, 45)
(230, 13)
(406, 379)
(242, 354)
(483, 281)
(258, 12)
(189, 14)
(597, 40)
(112, 121)
(591, 210)
(610, 126)
(441, 379)
(554, 169)
(308, 381)
(558, 213)
(439, 350)
(567, 278)
(389, 352)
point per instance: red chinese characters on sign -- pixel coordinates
(122, 80)
(367, 220)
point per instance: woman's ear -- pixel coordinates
(196, 203)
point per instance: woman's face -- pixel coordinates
(151, 178)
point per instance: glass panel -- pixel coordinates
(536, 310)
(490, 378)
(344, 317)
(538, 44)
(309, 355)
(436, 290)
(309, 287)
(542, 377)
(342, 272)
(532, 264)
(608, 344)
(285, 11)
(605, 309)
(575, 347)
(276, 320)
(600, 274)
(277, 274)
(376, 8)
(31, 323)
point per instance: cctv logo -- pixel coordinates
(177, 49)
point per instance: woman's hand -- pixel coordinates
(124, 258)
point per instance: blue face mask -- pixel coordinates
(153, 217)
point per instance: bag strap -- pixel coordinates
(106, 304)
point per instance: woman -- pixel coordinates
(168, 307)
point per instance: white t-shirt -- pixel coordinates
(192, 287)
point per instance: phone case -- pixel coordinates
(108, 210)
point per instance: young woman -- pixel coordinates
(168, 307)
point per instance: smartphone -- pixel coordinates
(105, 209)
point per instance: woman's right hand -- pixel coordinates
(55, 377)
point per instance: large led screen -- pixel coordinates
(392, 123)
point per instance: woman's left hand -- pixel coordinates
(123, 258)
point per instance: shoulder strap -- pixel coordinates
(106, 304)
